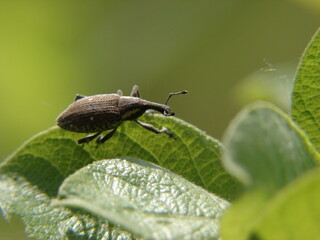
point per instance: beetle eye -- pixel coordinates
(168, 113)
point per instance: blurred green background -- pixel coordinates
(226, 53)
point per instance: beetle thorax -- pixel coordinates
(132, 107)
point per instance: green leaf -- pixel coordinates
(294, 213)
(43, 221)
(306, 92)
(266, 150)
(264, 147)
(269, 84)
(149, 201)
(31, 177)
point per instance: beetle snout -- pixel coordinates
(167, 112)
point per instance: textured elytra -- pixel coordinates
(92, 114)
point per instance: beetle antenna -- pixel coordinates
(175, 93)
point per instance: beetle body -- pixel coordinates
(102, 112)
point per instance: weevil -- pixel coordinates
(102, 112)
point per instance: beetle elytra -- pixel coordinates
(102, 112)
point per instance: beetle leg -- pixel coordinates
(88, 138)
(119, 92)
(102, 139)
(79, 96)
(154, 129)
(135, 91)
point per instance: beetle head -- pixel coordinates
(167, 111)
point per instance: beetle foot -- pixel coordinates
(99, 140)
(88, 138)
(166, 131)
(102, 139)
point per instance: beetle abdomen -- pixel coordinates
(91, 114)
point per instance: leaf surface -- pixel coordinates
(149, 201)
(44, 221)
(267, 151)
(294, 213)
(306, 92)
(31, 177)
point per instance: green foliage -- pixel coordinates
(275, 158)
(267, 151)
(271, 83)
(142, 185)
(264, 148)
(305, 96)
(30, 178)
(295, 212)
(149, 201)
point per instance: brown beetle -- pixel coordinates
(102, 112)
